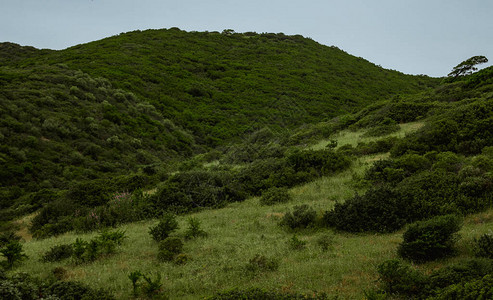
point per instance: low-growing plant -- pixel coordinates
(325, 241)
(169, 248)
(295, 243)
(431, 239)
(275, 195)
(164, 228)
(58, 253)
(194, 229)
(152, 286)
(301, 217)
(134, 278)
(483, 246)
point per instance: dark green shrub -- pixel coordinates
(194, 229)
(164, 228)
(13, 252)
(169, 248)
(431, 239)
(261, 263)
(275, 195)
(90, 193)
(193, 190)
(483, 246)
(398, 278)
(301, 217)
(58, 253)
(378, 210)
(460, 272)
(474, 289)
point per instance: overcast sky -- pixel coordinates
(412, 36)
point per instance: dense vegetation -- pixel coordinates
(141, 126)
(74, 121)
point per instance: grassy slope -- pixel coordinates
(241, 230)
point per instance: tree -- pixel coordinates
(468, 66)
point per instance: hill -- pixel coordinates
(134, 104)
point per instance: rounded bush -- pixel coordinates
(275, 195)
(431, 239)
(303, 216)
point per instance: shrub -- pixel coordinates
(193, 190)
(194, 229)
(431, 239)
(473, 289)
(58, 253)
(303, 216)
(152, 286)
(13, 252)
(483, 247)
(378, 210)
(275, 195)
(169, 248)
(295, 243)
(398, 278)
(162, 230)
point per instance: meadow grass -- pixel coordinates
(348, 137)
(238, 232)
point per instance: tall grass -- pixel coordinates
(236, 234)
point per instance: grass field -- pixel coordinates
(238, 232)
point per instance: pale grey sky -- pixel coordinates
(412, 36)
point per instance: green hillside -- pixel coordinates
(155, 165)
(136, 103)
(220, 86)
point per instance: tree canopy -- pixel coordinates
(468, 66)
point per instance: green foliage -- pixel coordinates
(275, 195)
(295, 243)
(468, 66)
(164, 228)
(469, 279)
(169, 248)
(134, 278)
(302, 216)
(483, 246)
(431, 239)
(13, 253)
(23, 286)
(378, 210)
(193, 190)
(58, 253)
(398, 278)
(194, 230)
(152, 286)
